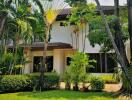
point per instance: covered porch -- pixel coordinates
(57, 57)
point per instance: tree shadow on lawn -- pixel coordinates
(68, 95)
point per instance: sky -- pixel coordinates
(59, 4)
(109, 2)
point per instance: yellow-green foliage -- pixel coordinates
(108, 78)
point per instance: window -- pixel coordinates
(68, 61)
(104, 63)
(63, 24)
(38, 62)
(72, 23)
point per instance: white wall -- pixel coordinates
(63, 34)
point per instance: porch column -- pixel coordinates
(27, 67)
(58, 60)
(128, 50)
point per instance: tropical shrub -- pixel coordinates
(51, 80)
(97, 84)
(77, 68)
(5, 62)
(107, 78)
(13, 83)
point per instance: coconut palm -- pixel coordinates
(80, 16)
(20, 25)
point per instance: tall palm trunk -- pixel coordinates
(121, 60)
(85, 36)
(43, 66)
(15, 57)
(2, 21)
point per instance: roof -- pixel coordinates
(40, 46)
(68, 10)
(107, 10)
(63, 14)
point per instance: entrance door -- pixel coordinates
(38, 61)
(49, 63)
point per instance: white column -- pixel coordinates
(58, 60)
(27, 67)
(128, 50)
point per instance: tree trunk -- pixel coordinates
(43, 66)
(120, 44)
(2, 21)
(118, 34)
(15, 58)
(85, 36)
(121, 60)
(129, 2)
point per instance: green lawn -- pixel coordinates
(57, 95)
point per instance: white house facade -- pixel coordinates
(62, 46)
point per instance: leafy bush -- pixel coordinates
(66, 77)
(13, 83)
(51, 80)
(5, 62)
(97, 84)
(108, 78)
(77, 68)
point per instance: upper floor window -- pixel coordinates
(63, 24)
(72, 23)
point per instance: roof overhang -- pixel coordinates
(39, 46)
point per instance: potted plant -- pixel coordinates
(75, 80)
(77, 68)
(66, 78)
(83, 79)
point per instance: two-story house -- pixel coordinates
(62, 46)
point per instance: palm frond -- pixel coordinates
(40, 6)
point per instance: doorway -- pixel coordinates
(37, 61)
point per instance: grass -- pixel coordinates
(57, 95)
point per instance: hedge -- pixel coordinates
(14, 83)
(107, 78)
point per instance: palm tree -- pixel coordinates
(19, 25)
(49, 10)
(80, 16)
(7, 10)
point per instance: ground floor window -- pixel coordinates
(38, 61)
(68, 61)
(104, 63)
